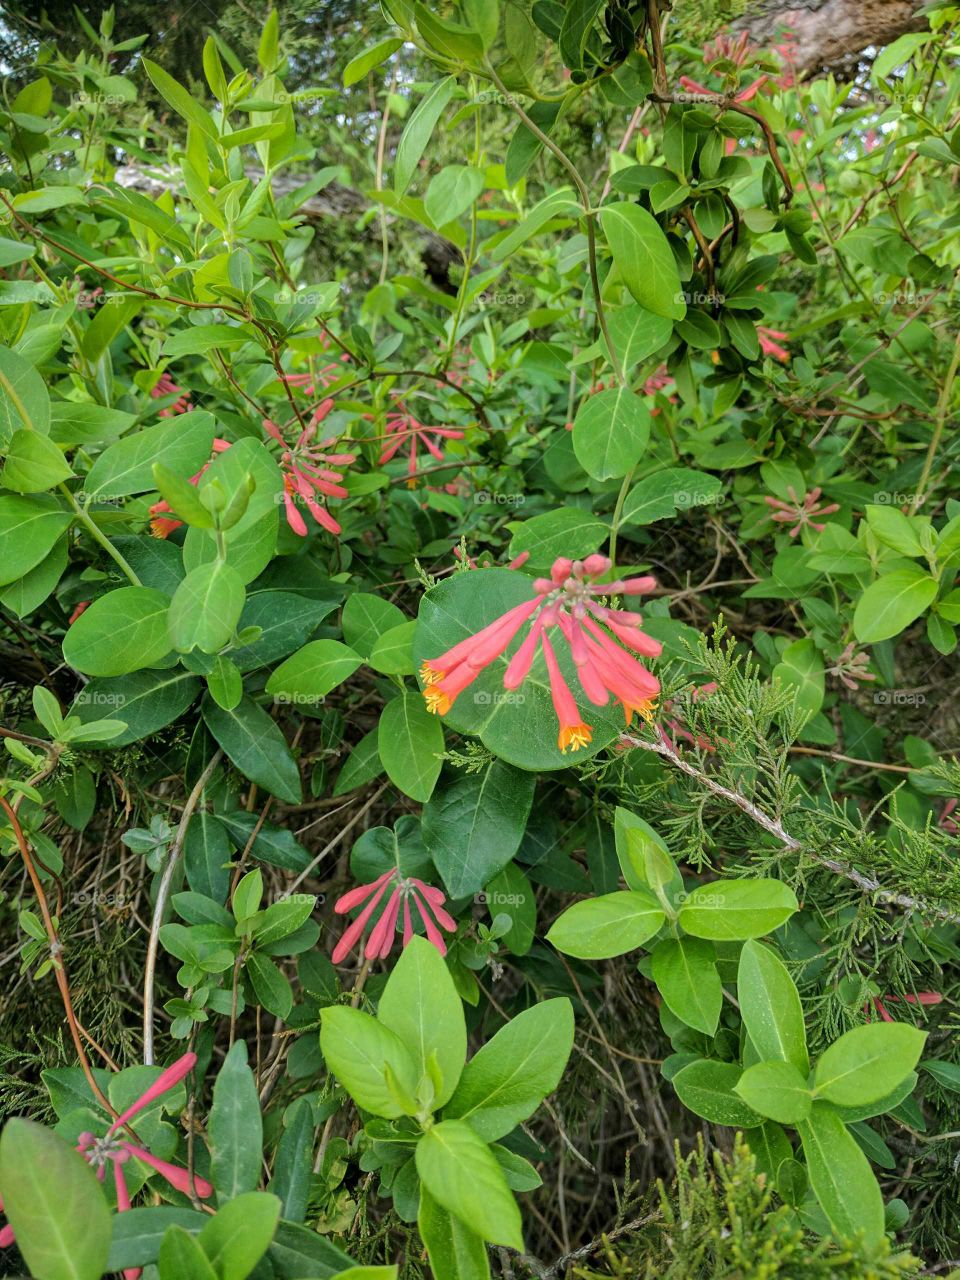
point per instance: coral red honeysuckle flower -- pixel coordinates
(801, 511)
(308, 471)
(767, 344)
(427, 900)
(402, 427)
(738, 51)
(744, 95)
(166, 386)
(115, 1150)
(161, 525)
(922, 997)
(567, 601)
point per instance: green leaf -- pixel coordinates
(455, 1252)
(251, 542)
(24, 399)
(770, 1007)
(666, 492)
(732, 910)
(33, 463)
(642, 255)
(255, 744)
(509, 893)
(146, 701)
(473, 828)
(182, 444)
(235, 1127)
(29, 528)
(610, 432)
(558, 204)
(776, 1090)
(181, 1258)
(293, 1164)
(369, 1060)
(121, 632)
(30, 591)
(801, 666)
(418, 129)
(567, 531)
(271, 988)
(867, 1063)
(309, 674)
(366, 618)
(197, 338)
(462, 1174)
(360, 66)
(410, 743)
(636, 333)
(685, 972)
(506, 1080)
(421, 1006)
(611, 925)
(707, 1089)
(361, 765)
(891, 603)
(392, 653)
(206, 608)
(452, 192)
(182, 101)
(841, 1177)
(448, 38)
(54, 1203)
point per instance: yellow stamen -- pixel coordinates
(438, 702)
(574, 736)
(430, 675)
(645, 709)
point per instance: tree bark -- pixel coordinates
(832, 35)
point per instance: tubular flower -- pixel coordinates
(922, 997)
(800, 512)
(403, 428)
(739, 51)
(308, 470)
(851, 666)
(403, 890)
(6, 1233)
(166, 386)
(767, 344)
(743, 95)
(568, 601)
(115, 1150)
(161, 525)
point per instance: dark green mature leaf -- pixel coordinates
(610, 432)
(144, 700)
(473, 828)
(254, 743)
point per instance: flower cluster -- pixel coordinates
(568, 603)
(801, 511)
(402, 428)
(111, 1149)
(769, 346)
(308, 470)
(406, 889)
(162, 525)
(851, 666)
(165, 386)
